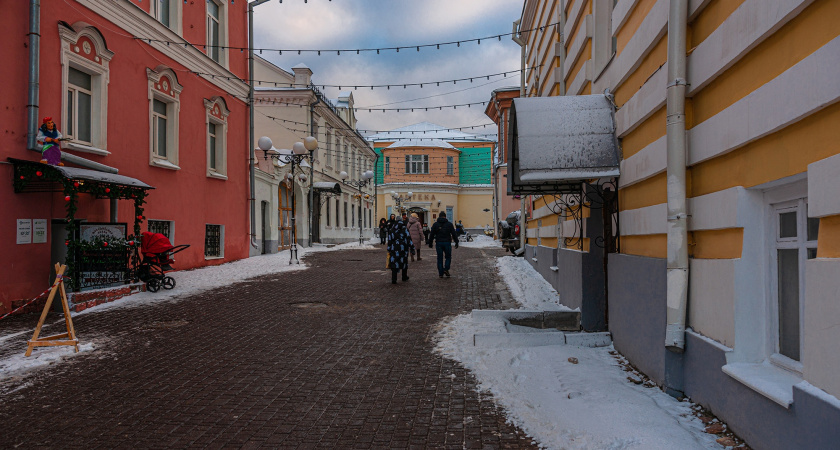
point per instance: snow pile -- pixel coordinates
(527, 286)
(587, 405)
(481, 241)
(41, 357)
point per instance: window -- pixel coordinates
(346, 158)
(214, 30)
(160, 10)
(353, 216)
(327, 212)
(163, 227)
(417, 164)
(214, 241)
(603, 42)
(450, 165)
(164, 110)
(85, 64)
(79, 99)
(328, 138)
(345, 214)
(353, 172)
(387, 165)
(216, 118)
(795, 242)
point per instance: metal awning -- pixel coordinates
(53, 177)
(328, 186)
(556, 143)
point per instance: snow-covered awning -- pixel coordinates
(556, 143)
(329, 186)
(50, 180)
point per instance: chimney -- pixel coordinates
(303, 75)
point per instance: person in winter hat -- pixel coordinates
(444, 233)
(390, 224)
(399, 247)
(415, 230)
(383, 230)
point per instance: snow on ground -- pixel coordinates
(527, 286)
(481, 241)
(588, 405)
(189, 282)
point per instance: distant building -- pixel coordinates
(289, 108)
(445, 170)
(498, 109)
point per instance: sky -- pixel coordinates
(352, 24)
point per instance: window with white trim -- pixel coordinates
(450, 165)
(164, 109)
(216, 26)
(161, 10)
(164, 227)
(346, 158)
(328, 137)
(795, 241)
(216, 114)
(387, 165)
(603, 42)
(85, 69)
(417, 164)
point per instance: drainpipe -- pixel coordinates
(251, 151)
(34, 73)
(677, 290)
(523, 228)
(312, 166)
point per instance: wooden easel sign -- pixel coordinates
(68, 338)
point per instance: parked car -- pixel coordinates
(509, 229)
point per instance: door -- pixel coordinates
(316, 218)
(284, 210)
(264, 227)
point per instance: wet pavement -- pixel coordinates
(334, 356)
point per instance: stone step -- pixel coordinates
(558, 320)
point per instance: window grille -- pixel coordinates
(450, 165)
(213, 241)
(163, 227)
(417, 164)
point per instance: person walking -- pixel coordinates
(415, 230)
(399, 247)
(444, 233)
(383, 230)
(389, 225)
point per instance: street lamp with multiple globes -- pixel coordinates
(366, 178)
(399, 199)
(295, 156)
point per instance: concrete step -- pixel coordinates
(558, 320)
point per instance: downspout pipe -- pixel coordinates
(523, 227)
(251, 142)
(677, 272)
(312, 166)
(34, 73)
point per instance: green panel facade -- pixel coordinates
(474, 165)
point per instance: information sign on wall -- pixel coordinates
(91, 231)
(24, 231)
(39, 231)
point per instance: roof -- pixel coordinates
(330, 186)
(558, 142)
(426, 130)
(426, 143)
(70, 173)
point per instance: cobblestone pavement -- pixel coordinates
(334, 356)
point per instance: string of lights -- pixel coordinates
(388, 86)
(357, 51)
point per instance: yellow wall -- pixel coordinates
(828, 244)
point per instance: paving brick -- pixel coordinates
(246, 366)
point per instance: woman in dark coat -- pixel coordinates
(383, 230)
(399, 247)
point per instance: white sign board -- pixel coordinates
(24, 231)
(90, 231)
(39, 231)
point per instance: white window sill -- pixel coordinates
(768, 380)
(86, 149)
(534, 259)
(217, 175)
(164, 164)
(554, 268)
(208, 258)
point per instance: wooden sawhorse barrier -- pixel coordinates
(68, 338)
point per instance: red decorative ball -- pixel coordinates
(66, 242)
(39, 173)
(22, 177)
(131, 243)
(139, 217)
(76, 184)
(104, 244)
(107, 189)
(67, 198)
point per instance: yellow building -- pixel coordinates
(723, 285)
(446, 170)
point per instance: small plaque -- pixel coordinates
(39, 231)
(24, 231)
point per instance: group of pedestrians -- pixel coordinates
(404, 238)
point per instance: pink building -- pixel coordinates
(149, 89)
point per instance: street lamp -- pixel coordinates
(295, 156)
(399, 199)
(366, 177)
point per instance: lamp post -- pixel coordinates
(295, 156)
(366, 177)
(399, 199)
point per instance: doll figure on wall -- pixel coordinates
(49, 137)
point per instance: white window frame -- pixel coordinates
(223, 33)
(156, 9)
(413, 162)
(603, 42)
(221, 153)
(85, 50)
(221, 241)
(450, 165)
(163, 85)
(387, 165)
(171, 236)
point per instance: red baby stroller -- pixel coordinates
(157, 254)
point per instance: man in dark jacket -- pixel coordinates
(444, 233)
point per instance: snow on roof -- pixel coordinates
(426, 130)
(426, 143)
(300, 66)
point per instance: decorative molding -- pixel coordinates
(646, 163)
(823, 177)
(573, 17)
(583, 36)
(621, 12)
(583, 75)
